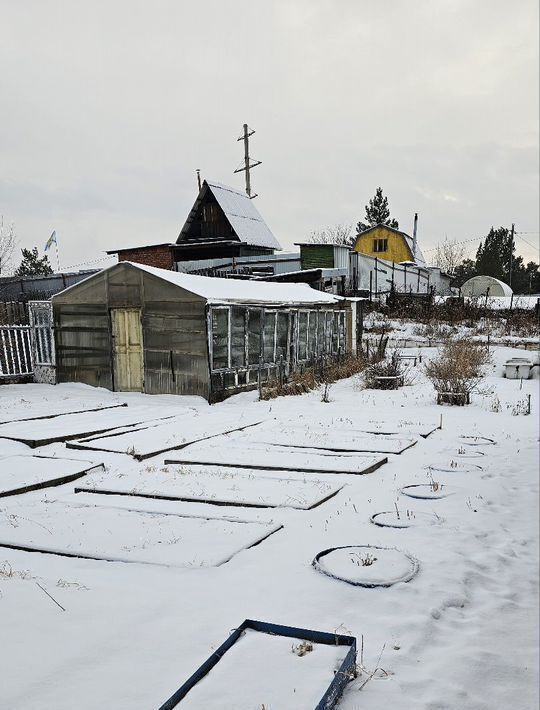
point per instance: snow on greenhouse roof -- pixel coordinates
(219, 290)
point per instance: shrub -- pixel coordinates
(457, 370)
(385, 375)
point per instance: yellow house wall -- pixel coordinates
(398, 249)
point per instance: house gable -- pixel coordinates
(388, 243)
(222, 214)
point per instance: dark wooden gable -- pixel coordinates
(207, 222)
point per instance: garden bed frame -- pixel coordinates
(345, 673)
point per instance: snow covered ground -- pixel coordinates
(461, 634)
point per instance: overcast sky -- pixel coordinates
(108, 108)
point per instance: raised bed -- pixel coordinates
(280, 666)
(168, 436)
(328, 440)
(428, 491)
(454, 467)
(55, 411)
(122, 535)
(65, 427)
(216, 486)
(477, 441)
(367, 565)
(466, 454)
(270, 458)
(22, 474)
(404, 519)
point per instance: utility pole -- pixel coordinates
(511, 256)
(248, 164)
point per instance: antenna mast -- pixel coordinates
(248, 163)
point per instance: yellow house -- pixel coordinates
(388, 243)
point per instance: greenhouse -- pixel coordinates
(138, 328)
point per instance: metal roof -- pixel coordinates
(241, 213)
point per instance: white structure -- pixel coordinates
(485, 286)
(518, 368)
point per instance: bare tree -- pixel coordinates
(7, 244)
(334, 234)
(449, 255)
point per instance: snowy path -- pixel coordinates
(461, 635)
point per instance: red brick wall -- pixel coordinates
(158, 256)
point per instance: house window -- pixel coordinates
(380, 245)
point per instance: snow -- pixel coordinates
(404, 518)
(158, 437)
(262, 659)
(116, 534)
(69, 426)
(37, 471)
(217, 290)
(243, 216)
(428, 491)
(367, 566)
(463, 633)
(221, 452)
(216, 484)
(320, 438)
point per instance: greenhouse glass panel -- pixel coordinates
(254, 336)
(220, 338)
(269, 335)
(282, 334)
(238, 336)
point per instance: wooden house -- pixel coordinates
(133, 327)
(222, 223)
(390, 244)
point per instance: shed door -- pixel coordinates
(127, 349)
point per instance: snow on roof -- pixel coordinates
(216, 290)
(242, 215)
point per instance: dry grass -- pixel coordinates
(458, 369)
(321, 374)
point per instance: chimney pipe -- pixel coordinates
(414, 236)
(199, 179)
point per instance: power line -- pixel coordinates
(526, 242)
(465, 241)
(85, 263)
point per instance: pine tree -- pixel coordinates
(377, 212)
(463, 272)
(32, 265)
(493, 255)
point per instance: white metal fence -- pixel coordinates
(16, 350)
(22, 347)
(40, 314)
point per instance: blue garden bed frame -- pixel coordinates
(343, 675)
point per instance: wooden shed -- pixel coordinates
(137, 328)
